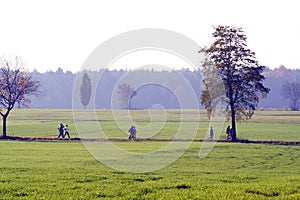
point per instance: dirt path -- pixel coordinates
(291, 143)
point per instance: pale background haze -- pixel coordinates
(53, 34)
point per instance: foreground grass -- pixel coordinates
(65, 170)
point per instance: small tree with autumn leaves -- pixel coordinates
(16, 84)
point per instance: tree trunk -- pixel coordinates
(129, 104)
(233, 137)
(294, 105)
(4, 126)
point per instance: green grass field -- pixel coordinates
(265, 125)
(66, 170)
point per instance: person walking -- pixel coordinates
(211, 133)
(67, 131)
(132, 132)
(61, 131)
(227, 132)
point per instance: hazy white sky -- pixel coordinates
(52, 34)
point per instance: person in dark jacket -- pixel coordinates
(61, 131)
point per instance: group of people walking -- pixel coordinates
(133, 131)
(63, 131)
(228, 133)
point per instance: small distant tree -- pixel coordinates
(229, 62)
(85, 90)
(290, 91)
(15, 85)
(126, 93)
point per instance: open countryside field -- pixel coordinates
(66, 170)
(265, 125)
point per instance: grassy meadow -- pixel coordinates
(265, 125)
(66, 170)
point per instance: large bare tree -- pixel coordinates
(126, 93)
(230, 61)
(15, 86)
(290, 91)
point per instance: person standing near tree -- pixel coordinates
(227, 131)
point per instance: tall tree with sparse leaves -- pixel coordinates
(290, 91)
(85, 90)
(15, 86)
(230, 62)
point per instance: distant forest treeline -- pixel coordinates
(162, 88)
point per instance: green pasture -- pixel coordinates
(265, 125)
(67, 170)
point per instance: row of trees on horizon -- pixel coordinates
(58, 94)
